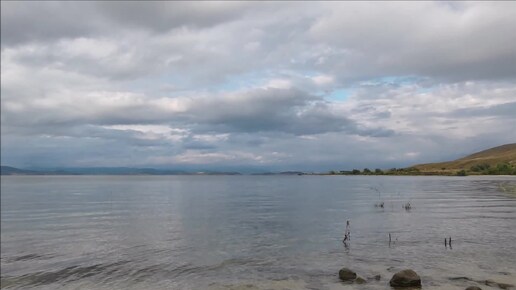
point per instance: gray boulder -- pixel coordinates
(405, 278)
(346, 274)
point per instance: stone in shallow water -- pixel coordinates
(360, 280)
(506, 286)
(405, 278)
(346, 274)
(500, 285)
(473, 288)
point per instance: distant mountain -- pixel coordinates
(8, 170)
(280, 173)
(497, 160)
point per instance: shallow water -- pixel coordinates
(253, 232)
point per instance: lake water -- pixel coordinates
(253, 232)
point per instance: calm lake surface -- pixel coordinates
(253, 232)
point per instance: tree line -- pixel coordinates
(479, 169)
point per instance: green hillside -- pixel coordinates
(497, 160)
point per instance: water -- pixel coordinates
(252, 232)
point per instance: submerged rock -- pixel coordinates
(346, 274)
(505, 286)
(405, 278)
(499, 285)
(473, 288)
(360, 280)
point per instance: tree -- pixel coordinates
(504, 168)
(461, 173)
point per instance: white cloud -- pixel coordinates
(322, 80)
(278, 84)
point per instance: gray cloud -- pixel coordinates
(276, 85)
(426, 39)
(46, 21)
(288, 111)
(506, 110)
(163, 16)
(261, 110)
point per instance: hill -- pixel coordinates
(8, 170)
(497, 160)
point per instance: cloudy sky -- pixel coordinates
(250, 85)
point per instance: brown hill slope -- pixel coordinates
(492, 157)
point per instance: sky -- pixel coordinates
(310, 86)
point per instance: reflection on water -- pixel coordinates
(253, 232)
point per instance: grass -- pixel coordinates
(488, 161)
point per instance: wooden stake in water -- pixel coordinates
(347, 233)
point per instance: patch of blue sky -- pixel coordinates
(423, 85)
(340, 94)
(425, 90)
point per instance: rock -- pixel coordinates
(473, 288)
(377, 277)
(360, 280)
(499, 285)
(346, 274)
(505, 286)
(405, 278)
